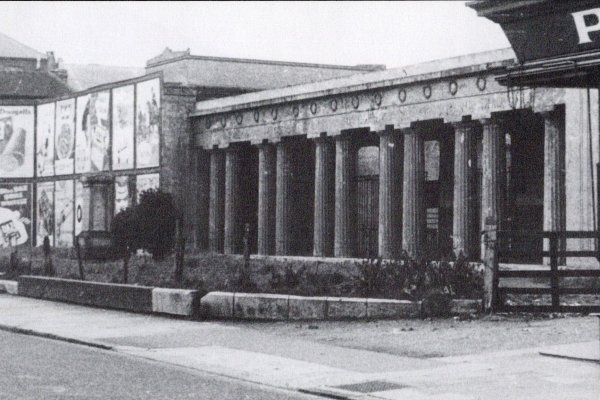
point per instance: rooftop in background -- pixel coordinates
(247, 74)
(85, 76)
(10, 48)
(21, 85)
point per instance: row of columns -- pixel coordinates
(401, 191)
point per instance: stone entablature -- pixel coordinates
(366, 101)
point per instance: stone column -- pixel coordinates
(413, 209)
(465, 169)
(493, 176)
(554, 184)
(344, 210)
(324, 219)
(390, 192)
(231, 231)
(217, 197)
(282, 210)
(267, 180)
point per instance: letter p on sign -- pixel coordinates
(584, 30)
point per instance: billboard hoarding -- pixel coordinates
(15, 214)
(16, 141)
(45, 212)
(64, 139)
(147, 124)
(63, 212)
(122, 127)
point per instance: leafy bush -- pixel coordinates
(150, 225)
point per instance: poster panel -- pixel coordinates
(148, 118)
(45, 140)
(82, 145)
(63, 211)
(45, 212)
(16, 142)
(93, 139)
(145, 182)
(78, 207)
(64, 139)
(122, 128)
(15, 214)
(122, 194)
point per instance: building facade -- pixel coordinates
(417, 159)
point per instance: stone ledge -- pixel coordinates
(392, 309)
(10, 287)
(174, 301)
(217, 305)
(260, 306)
(466, 306)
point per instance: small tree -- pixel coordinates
(156, 214)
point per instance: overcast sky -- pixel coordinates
(129, 33)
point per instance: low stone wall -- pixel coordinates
(10, 287)
(228, 305)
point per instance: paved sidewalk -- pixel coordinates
(235, 350)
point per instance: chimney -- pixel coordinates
(51, 63)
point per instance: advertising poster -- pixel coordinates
(122, 193)
(15, 214)
(45, 140)
(16, 142)
(45, 212)
(78, 207)
(122, 124)
(63, 213)
(93, 139)
(64, 137)
(148, 118)
(145, 182)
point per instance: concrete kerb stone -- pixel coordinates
(392, 309)
(261, 306)
(10, 287)
(217, 305)
(307, 308)
(174, 301)
(346, 308)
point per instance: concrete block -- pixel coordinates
(10, 287)
(217, 305)
(107, 295)
(346, 308)
(465, 306)
(307, 308)
(174, 301)
(384, 308)
(261, 306)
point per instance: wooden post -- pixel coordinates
(79, 260)
(490, 277)
(554, 271)
(179, 251)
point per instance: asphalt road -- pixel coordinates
(37, 368)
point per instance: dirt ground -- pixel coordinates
(445, 337)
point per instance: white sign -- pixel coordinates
(583, 30)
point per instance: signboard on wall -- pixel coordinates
(78, 207)
(147, 124)
(45, 212)
(16, 142)
(45, 140)
(145, 182)
(93, 138)
(64, 137)
(15, 214)
(63, 212)
(122, 193)
(122, 125)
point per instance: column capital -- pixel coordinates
(466, 124)
(389, 130)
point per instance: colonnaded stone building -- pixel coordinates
(417, 158)
(318, 160)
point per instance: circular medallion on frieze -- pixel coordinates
(223, 121)
(481, 83)
(377, 99)
(239, 118)
(296, 111)
(313, 108)
(427, 91)
(333, 105)
(402, 95)
(355, 102)
(256, 115)
(274, 113)
(453, 87)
